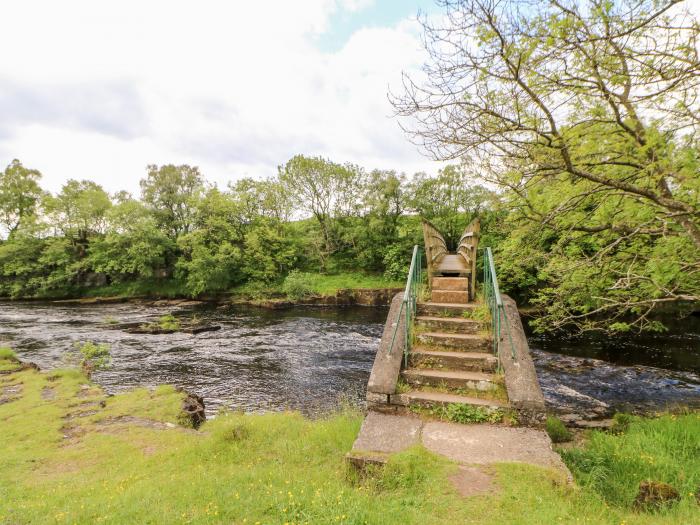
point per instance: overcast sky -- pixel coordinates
(98, 90)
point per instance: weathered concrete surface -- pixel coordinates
(487, 444)
(387, 434)
(522, 385)
(385, 370)
(382, 435)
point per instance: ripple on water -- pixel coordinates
(310, 358)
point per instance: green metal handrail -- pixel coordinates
(409, 302)
(492, 297)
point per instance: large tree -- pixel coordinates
(172, 193)
(587, 112)
(325, 189)
(20, 195)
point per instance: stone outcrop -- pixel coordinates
(192, 413)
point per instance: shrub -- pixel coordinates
(396, 263)
(90, 356)
(557, 431)
(298, 285)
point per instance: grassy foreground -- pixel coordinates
(68, 459)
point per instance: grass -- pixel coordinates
(278, 468)
(557, 431)
(319, 284)
(665, 449)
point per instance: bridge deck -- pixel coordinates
(452, 264)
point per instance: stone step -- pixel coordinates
(449, 296)
(465, 342)
(428, 399)
(449, 378)
(445, 309)
(449, 324)
(422, 357)
(449, 283)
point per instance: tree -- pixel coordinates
(20, 195)
(325, 189)
(133, 245)
(211, 252)
(79, 210)
(172, 193)
(587, 112)
(449, 200)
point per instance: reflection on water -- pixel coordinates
(310, 358)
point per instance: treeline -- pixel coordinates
(181, 231)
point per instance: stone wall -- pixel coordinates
(524, 392)
(387, 362)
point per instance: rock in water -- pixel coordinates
(192, 414)
(654, 494)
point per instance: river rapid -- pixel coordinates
(313, 359)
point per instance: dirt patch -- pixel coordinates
(10, 393)
(474, 481)
(48, 393)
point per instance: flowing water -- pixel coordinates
(311, 359)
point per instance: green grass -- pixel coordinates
(319, 284)
(665, 449)
(557, 431)
(275, 468)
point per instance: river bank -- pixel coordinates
(345, 289)
(71, 454)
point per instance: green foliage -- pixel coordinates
(462, 413)
(557, 431)
(665, 449)
(89, 356)
(6, 354)
(20, 195)
(298, 285)
(168, 322)
(397, 262)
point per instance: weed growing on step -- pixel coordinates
(402, 386)
(89, 357)
(461, 413)
(557, 431)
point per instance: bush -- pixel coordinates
(90, 356)
(557, 430)
(396, 263)
(298, 285)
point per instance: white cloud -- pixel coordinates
(98, 90)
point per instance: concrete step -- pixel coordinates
(424, 357)
(449, 283)
(449, 296)
(427, 399)
(460, 325)
(449, 378)
(445, 309)
(464, 342)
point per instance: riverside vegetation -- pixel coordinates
(73, 455)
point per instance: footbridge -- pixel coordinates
(454, 361)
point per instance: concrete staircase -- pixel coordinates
(451, 361)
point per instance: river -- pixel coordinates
(312, 359)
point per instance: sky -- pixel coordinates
(99, 90)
